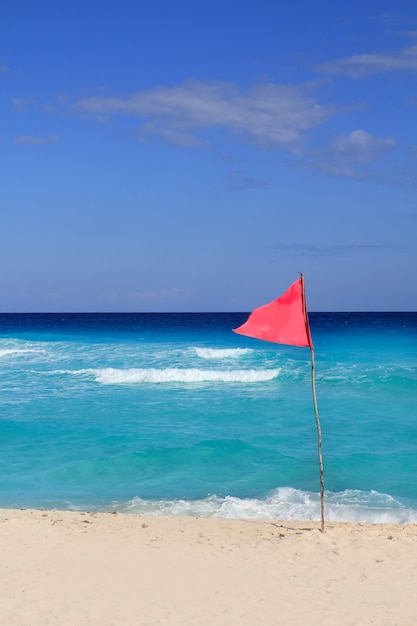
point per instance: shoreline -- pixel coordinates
(114, 569)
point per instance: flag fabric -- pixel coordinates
(285, 320)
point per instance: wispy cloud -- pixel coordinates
(173, 136)
(239, 181)
(346, 155)
(31, 139)
(362, 65)
(311, 250)
(269, 115)
(392, 20)
(20, 104)
(156, 296)
(139, 298)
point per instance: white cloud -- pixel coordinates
(345, 155)
(269, 115)
(362, 65)
(360, 145)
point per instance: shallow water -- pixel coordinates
(175, 413)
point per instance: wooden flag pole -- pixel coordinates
(316, 410)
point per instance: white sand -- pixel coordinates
(80, 569)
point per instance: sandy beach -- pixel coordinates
(67, 569)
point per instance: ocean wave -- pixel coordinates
(19, 351)
(284, 503)
(367, 375)
(111, 376)
(222, 353)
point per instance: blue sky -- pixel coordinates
(197, 156)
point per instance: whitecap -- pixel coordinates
(222, 353)
(19, 351)
(111, 376)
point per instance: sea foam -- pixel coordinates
(222, 353)
(19, 351)
(111, 376)
(284, 503)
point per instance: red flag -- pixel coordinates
(284, 320)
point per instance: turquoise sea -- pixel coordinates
(176, 414)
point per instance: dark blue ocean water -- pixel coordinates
(175, 413)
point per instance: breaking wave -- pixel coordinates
(284, 503)
(111, 376)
